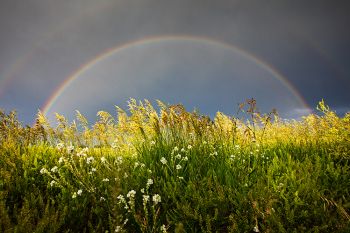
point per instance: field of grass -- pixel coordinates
(175, 171)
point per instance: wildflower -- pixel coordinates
(142, 190)
(121, 199)
(83, 152)
(60, 145)
(54, 169)
(163, 228)
(119, 160)
(74, 195)
(131, 194)
(43, 170)
(149, 182)
(142, 165)
(256, 229)
(163, 160)
(126, 175)
(178, 167)
(118, 229)
(61, 160)
(103, 159)
(185, 158)
(149, 171)
(189, 147)
(70, 149)
(80, 192)
(102, 199)
(52, 183)
(153, 142)
(156, 199)
(178, 156)
(136, 164)
(93, 169)
(89, 160)
(183, 150)
(205, 142)
(237, 147)
(175, 148)
(180, 177)
(105, 180)
(145, 199)
(114, 145)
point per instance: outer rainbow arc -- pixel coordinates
(53, 98)
(26, 57)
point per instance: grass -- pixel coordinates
(176, 171)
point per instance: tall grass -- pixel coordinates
(176, 171)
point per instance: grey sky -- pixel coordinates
(42, 42)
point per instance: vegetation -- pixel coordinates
(176, 171)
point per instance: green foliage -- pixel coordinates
(176, 171)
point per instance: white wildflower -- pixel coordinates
(114, 145)
(43, 170)
(153, 142)
(80, 192)
(93, 169)
(163, 160)
(178, 156)
(189, 147)
(60, 145)
(105, 180)
(61, 160)
(103, 159)
(52, 183)
(149, 182)
(131, 194)
(142, 165)
(156, 199)
(118, 229)
(54, 169)
(136, 164)
(183, 150)
(121, 199)
(145, 199)
(180, 177)
(90, 160)
(178, 167)
(175, 148)
(256, 229)
(163, 228)
(119, 160)
(126, 175)
(102, 199)
(74, 195)
(70, 149)
(142, 190)
(185, 158)
(237, 147)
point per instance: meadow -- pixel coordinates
(170, 170)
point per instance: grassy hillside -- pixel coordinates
(175, 171)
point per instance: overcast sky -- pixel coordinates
(215, 54)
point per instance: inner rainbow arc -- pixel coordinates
(151, 40)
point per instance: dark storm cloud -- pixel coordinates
(307, 41)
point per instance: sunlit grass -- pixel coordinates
(175, 171)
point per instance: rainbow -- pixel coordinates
(151, 40)
(23, 60)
